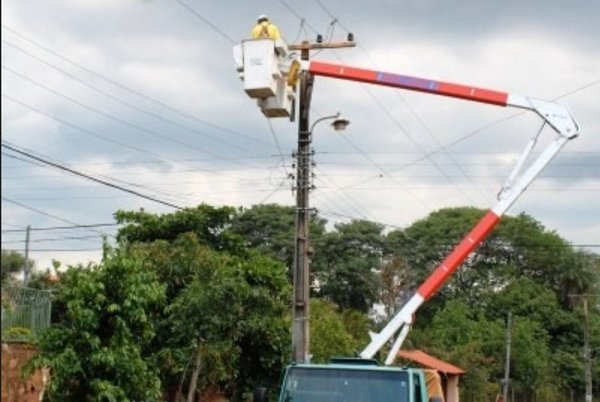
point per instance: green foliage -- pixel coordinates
(96, 353)
(12, 262)
(329, 336)
(521, 268)
(271, 229)
(232, 313)
(345, 266)
(210, 224)
(199, 300)
(268, 228)
(19, 334)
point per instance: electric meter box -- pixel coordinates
(261, 71)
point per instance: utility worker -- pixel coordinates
(264, 29)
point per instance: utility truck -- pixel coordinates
(268, 70)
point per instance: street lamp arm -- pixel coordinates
(333, 116)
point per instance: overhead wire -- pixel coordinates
(91, 178)
(473, 133)
(298, 16)
(49, 215)
(117, 119)
(105, 138)
(58, 250)
(37, 164)
(71, 227)
(125, 87)
(442, 148)
(97, 89)
(413, 112)
(133, 106)
(206, 21)
(52, 239)
(386, 111)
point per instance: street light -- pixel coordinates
(300, 329)
(339, 124)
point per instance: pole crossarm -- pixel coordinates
(319, 46)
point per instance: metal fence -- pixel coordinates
(25, 312)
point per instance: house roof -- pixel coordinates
(422, 358)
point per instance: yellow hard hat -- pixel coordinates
(262, 17)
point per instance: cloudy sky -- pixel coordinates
(143, 94)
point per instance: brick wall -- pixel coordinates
(14, 387)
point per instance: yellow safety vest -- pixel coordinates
(265, 30)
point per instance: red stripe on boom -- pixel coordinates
(458, 255)
(409, 83)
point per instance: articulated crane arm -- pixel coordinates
(556, 115)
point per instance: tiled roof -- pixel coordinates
(422, 358)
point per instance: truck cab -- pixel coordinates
(351, 380)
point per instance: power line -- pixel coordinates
(103, 137)
(91, 225)
(125, 87)
(300, 18)
(20, 159)
(59, 250)
(206, 21)
(100, 136)
(396, 123)
(94, 179)
(89, 132)
(100, 175)
(132, 106)
(118, 119)
(85, 238)
(58, 218)
(441, 148)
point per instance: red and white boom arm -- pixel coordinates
(556, 115)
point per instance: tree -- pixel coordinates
(272, 230)
(329, 336)
(345, 267)
(521, 267)
(228, 325)
(97, 352)
(210, 224)
(396, 282)
(12, 262)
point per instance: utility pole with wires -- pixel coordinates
(506, 379)
(270, 72)
(303, 250)
(26, 268)
(587, 353)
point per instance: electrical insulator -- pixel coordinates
(319, 38)
(350, 37)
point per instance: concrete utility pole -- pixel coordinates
(300, 333)
(300, 326)
(587, 353)
(26, 272)
(506, 380)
